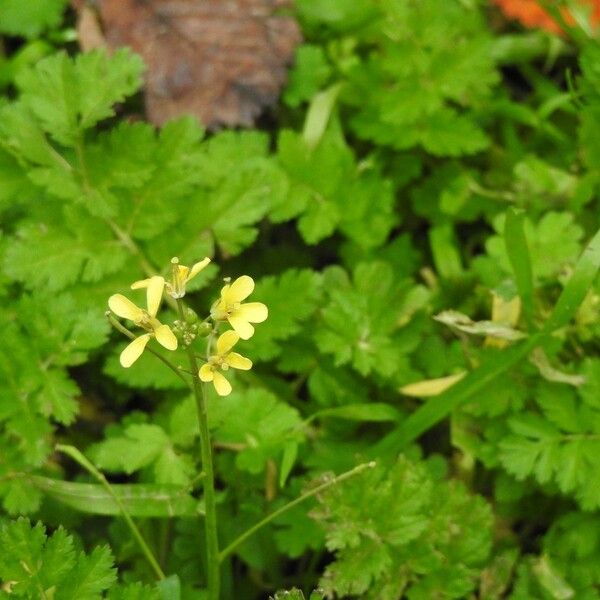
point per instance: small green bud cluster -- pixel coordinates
(187, 331)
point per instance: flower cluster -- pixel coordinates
(230, 307)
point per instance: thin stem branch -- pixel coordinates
(80, 459)
(131, 336)
(249, 532)
(210, 522)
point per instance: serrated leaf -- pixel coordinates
(259, 422)
(291, 297)
(311, 71)
(92, 574)
(69, 96)
(140, 446)
(31, 19)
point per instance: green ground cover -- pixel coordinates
(422, 415)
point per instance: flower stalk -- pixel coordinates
(211, 531)
(182, 334)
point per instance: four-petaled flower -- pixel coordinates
(222, 360)
(229, 307)
(180, 277)
(144, 318)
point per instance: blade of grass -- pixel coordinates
(577, 287)
(439, 407)
(317, 490)
(81, 460)
(520, 261)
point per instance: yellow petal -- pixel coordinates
(206, 372)
(239, 290)
(165, 337)
(221, 384)
(154, 293)
(198, 267)
(142, 283)
(125, 308)
(254, 312)
(241, 326)
(431, 387)
(227, 341)
(134, 350)
(224, 293)
(237, 361)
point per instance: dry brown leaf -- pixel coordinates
(223, 61)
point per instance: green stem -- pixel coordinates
(79, 458)
(131, 336)
(134, 249)
(210, 523)
(249, 532)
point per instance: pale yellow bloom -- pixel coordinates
(229, 307)
(144, 318)
(180, 277)
(222, 360)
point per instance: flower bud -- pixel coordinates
(190, 316)
(204, 329)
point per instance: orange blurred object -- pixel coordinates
(531, 14)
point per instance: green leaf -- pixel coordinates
(290, 453)
(58, 395)
(310, 73)
(92, 575)
(292, 298)
(553, 244)
(69, 96)
(241, 183)
(55, 257)
(518, 255)
(319, 112)
(374, 412)
(586, 271)
(437, 408)
(38, 566)
(140, 446)
(169, 588)
(31, 19)
(448, 134)
(360, 317)
(138, 591)
(389, 530)
(445, 252)
(259, 422)
(561, 451)
(139, 499)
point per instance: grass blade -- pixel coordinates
(577, 287)
(520, 260)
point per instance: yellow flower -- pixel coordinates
(144, 318)
(180, 277)
(229, 307)
(224, 359)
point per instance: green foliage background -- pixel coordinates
(407, 134)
